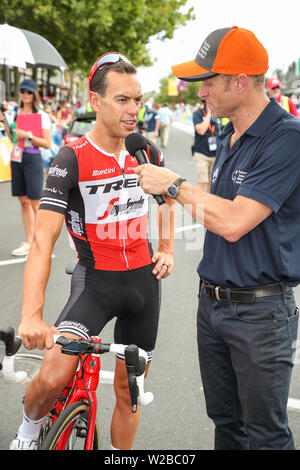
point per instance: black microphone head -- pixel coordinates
(134, 142)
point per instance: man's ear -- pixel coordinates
(241, 82)
(94, 100)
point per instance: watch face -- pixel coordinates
(172, 190)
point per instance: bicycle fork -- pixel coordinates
(86, 383)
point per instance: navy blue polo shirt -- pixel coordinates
(264, 164)
(201, 141)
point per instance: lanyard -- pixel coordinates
(211, 128)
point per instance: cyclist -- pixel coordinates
(92, 184)
(274, 92)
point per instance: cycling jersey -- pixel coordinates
(105, 208)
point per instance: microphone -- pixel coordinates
(136, 145)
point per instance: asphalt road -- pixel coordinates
(176, 420)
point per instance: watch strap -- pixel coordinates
(179, 181)
(173, 188)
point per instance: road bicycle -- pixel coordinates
(72, 423)
(9, 344)
(27, 364)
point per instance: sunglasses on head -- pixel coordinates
(23, 91)
(106, 60)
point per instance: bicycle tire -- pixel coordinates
(71, 416)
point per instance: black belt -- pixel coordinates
(246, 295)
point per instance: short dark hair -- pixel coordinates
(99, 81)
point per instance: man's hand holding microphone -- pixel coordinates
(153, 179)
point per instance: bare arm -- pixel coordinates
(34, 331)
(229, 219)
(202, 127)
(6, 126)
(157, 126)
(45, 141)
(163, 257)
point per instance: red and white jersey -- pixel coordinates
(105, 208)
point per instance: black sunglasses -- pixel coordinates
(23, 91)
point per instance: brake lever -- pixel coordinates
(133, 388)
(132, 359)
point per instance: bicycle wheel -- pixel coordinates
(70, 430)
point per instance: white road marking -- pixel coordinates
(187, 227)
(183, 127)
(16, 261)
(12, 261)
(106, 377)
(293, 404)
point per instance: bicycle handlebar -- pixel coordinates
(9, 343)
(135, 359)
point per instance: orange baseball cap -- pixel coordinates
(227, 51)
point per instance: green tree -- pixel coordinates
(83, 29)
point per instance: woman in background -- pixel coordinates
(26, 162)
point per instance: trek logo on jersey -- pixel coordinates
(113, 185)
(238, 176)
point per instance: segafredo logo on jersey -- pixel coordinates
(238, 176)
(56, 171)
(113, 199)
(128, 206)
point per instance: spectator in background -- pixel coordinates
(48, 154)
(141, 118)
(64, 116)
(64, 113)
(26, 163)
(165, 116)
(48, 110)
(79, 108)
(205, 145)
(152, 121)
(274, 91)
(4, 125)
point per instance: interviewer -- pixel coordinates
(247, 316)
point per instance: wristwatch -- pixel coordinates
(173, 189)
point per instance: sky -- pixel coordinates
(276, 24)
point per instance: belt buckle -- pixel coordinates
(216, 289)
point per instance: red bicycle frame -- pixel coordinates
(82, 388)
